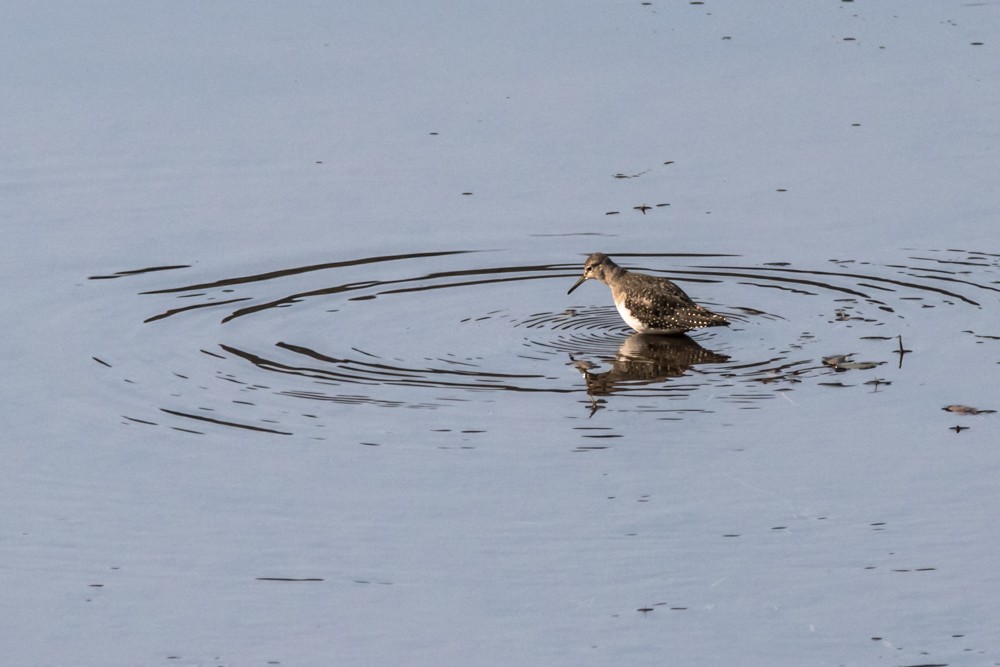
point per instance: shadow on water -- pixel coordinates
(436, 329)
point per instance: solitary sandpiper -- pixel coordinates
(648, 304)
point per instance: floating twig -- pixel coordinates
(901, 351)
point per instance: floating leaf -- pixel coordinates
(836, 359)
(842, 362)
(966, 410)
(860, 365)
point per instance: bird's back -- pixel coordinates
(656, 305)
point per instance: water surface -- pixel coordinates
(454, 329)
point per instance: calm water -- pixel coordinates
(452, 424)
(292, 376)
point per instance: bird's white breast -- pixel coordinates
(639, 326)
(629, 319)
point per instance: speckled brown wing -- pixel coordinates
(663, 312)
(662, 306)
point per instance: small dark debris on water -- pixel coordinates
(620, 175)
(966, 410)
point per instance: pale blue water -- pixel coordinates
(278, 392)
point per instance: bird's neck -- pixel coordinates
(613, 271)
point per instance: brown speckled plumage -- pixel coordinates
(648, 304)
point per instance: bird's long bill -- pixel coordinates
(577, 284)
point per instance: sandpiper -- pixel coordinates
(648, 304)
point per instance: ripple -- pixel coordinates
(431, 330)
(575, 319)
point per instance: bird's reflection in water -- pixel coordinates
(645, 359)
